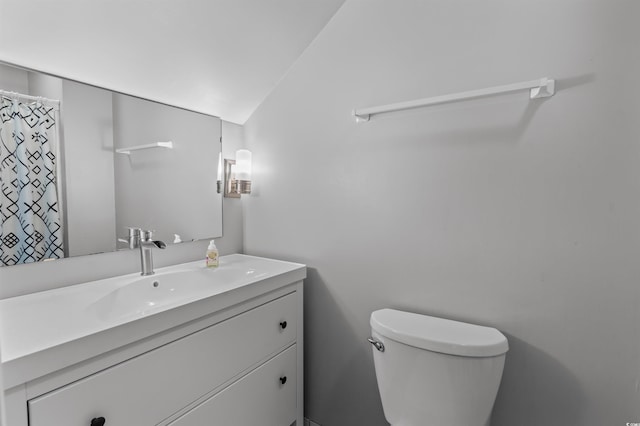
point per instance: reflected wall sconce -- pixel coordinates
(237, 174)
(219, 175)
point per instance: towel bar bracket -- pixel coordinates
(546, 89)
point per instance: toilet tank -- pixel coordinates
(435, 371)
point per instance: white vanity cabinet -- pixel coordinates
(151, 387)
(262, 397)
(236, 366)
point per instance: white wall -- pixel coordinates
(44, 85)
(221, 57)
(13, 79)
(515, 214)
(89, 172)
(232, 208)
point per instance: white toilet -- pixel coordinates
(436, 372)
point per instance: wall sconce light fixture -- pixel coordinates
(237, 174)
(219, 175)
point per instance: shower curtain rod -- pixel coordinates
(12, 95)
(540, 88)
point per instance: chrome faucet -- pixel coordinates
(146, 251)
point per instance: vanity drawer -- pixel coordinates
(151, 387)
(259, 398)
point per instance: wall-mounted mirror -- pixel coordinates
(80, 164)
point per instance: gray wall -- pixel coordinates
(515, 214)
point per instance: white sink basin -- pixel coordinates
(140, 296)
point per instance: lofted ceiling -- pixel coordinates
(222, 57)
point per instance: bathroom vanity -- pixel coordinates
(188, 346)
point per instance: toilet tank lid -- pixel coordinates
(439, 334)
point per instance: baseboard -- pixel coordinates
(308, 422)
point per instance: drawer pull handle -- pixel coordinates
(98, 421)
(283, 380)
(283, 325)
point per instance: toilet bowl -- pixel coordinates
(436, 372)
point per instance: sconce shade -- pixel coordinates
(237, 174)
(219, 177)
(243, 165)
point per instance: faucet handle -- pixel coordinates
(146, 235)
(133, 231)
(133, 237)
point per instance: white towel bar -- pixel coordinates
(147, 146)
(541, 88)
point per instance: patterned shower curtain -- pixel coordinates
(30, 227)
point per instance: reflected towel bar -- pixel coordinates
(127, 151)
(541, 88)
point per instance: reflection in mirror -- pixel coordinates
(79, 165)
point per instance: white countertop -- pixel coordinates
(45, 331)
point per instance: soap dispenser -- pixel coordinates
(212, 255)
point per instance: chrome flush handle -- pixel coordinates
(377, 343)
